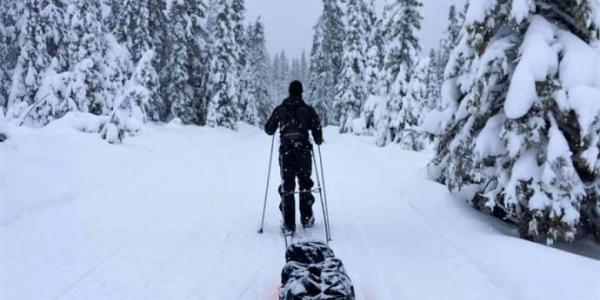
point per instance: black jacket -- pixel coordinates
(295, 118)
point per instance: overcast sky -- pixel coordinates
(289, 23)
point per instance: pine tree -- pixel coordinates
(374, 52)
(373, 72)
(451, 39)
(224, 57)
(304, 72)
(326, 60)
(351, 90)
(295, 69)
(10, 13)
(516, 140)
(402, 21)
(86, 56)
(141, 26)
(129, 111)
(258, 60)
(183, 73)
(39, 40)
(281, 76)
(246, 105)
(417, 105)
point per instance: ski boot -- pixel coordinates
(308, 222)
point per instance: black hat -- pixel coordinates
(296, 88)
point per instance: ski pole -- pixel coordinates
(324, 191)
(321, 197)
(262, 222)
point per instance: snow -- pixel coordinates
(584, 100)
(580, 64)
(487, 142)
(520, 9)
(172, 213)
(478, 10)
(539, 60)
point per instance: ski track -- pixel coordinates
(436, 231)
(178, 220)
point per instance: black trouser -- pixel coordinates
(295, 161)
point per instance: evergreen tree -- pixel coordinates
(281, 76)
(295, 69)
(86, 56)
(224, 76)
(183, 74)
(129, 111)
(452, 38)
(351, 91)
(373, 72)
(41, 35)
(141, 26)
(402, 21)
(10, 14)
(326, 60)
(374, 52)
(246, 105)
(416, 106)
(258, 60)
(515, 139)
(304, 72)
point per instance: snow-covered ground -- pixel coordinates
(173, 214)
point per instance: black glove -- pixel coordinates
(319, 142)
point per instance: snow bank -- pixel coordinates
(84, 122)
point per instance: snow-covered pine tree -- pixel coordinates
(224, 56)
(258, 60)
(451, 38)
(304, 73)
(373, 70)
(402, 21)
(141, 26)
(432, 81)
(129, 111)
(374, 52)
(416, 107)
(40, 38)
(295, 69)
(523, 140)
(351, 90)
(326, 60)
(280, 76)
(183, 75)
(86, 56)
(246, 105)
(10, 16)
(317, 93)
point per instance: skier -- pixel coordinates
(295, 119)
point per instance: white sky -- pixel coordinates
(288, 23)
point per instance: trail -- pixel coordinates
(173, 214)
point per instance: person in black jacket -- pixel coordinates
(295, 119)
